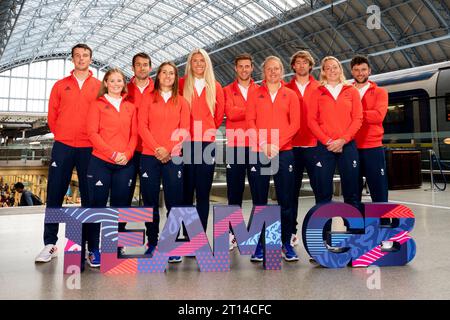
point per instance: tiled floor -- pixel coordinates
(426, 277)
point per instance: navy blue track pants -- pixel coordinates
(171, 174)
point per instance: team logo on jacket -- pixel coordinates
(354, 164)
(318, 164)
(145, 175)
(54, 164)
(179, 174)
(382, 172)
(130, 182)
(253, 169)
(67, 88)
(228, 166)
(291, 168)
(106, 106)
(99, 183)
(261, 96)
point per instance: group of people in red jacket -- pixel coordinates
(165, 130)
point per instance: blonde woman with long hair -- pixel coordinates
(334, 117)
(206, 101)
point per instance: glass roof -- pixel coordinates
(116, 30)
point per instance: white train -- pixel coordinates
(419, 108)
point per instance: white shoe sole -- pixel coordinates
(42, 260)
(290, 259)
(175, 261)
(94, 265)
(256, 260)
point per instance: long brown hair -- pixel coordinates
(157, 85)
(103, 88)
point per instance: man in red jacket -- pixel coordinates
(236, 103)
(69, 103)
(304, 142)
(139, 89)
(369, 137)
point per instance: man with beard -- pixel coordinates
(369, 138)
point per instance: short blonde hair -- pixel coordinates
(323, 77)
(277, 60)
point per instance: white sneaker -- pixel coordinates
(294, 240)
(387, 245)
(50, 251)
(233, 242)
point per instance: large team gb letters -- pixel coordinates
(359, 246)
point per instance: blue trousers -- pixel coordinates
(305, 158)
(107, 180)
(171, 174)
(64, 159)
(198, 176)
(373, 167)
(238, 164)
(137, 163)
(348, 166)
(283, 176)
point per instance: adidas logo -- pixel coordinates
(253, 169)
(99, 183)
(67, 88)
(228, 166)
(382, 172)
(291, 168)
(318, 164)
(179, 174)
(354, 164)
(145, 175)
(54, 164)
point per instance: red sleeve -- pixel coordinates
(180, 135)
(233, 112)
(143, 126)
(53, 107)
(93, 128)
(357, 116)
(132, 143)
(220, 106)
(313, 118)
(250, 119)
(376, 116)
(294, 120)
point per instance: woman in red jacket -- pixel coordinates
(207, 103)
(274, 115)
(163, 125)
(334, 118)
(112, 129)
